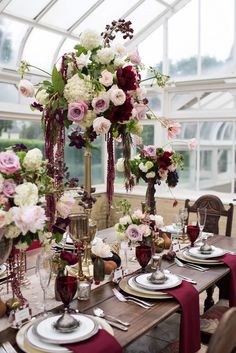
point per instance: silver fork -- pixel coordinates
(8, 347)
(137, 301)
(190, 265)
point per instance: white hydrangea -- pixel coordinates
(125, 220)
(12, 231)
(77, 89)
(143, 167)
(90, 39)
(105, 55)
(33, 159)
(99, 248)
(26, 194)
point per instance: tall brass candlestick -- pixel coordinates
(87, 183)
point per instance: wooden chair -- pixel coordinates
(215, 210)
(224, 339)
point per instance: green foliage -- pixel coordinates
(80, 50)
(57, 80)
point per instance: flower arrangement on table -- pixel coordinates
(98, 90)
(24, 182)
(138, 226)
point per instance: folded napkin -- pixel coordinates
(100, 343)
(188, 298)
(230, 261)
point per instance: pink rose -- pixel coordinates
(192, 144)
(135, 57)
(101, 125)
(29, 218)
(9, 187)
(133, 233)
(9, 162)
(149, 151)
(77, 111)
(137, 140)
(117, 96)
(173, 128)
(101, 103)
(139, 111)
(26, 88)
(65, 205)
(106, 79)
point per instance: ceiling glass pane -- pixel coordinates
(169, 1)
(183, 39)
(151, 49)
(56, 15)
(11, 34)
(40, 47)
(67, 47)
(145, 13)
(8, 93)
(217, 36)
(108, 11)
(26, 8)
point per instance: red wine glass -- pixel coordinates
(143, 255)
(192, 232)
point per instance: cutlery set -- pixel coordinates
(7, 348)
(190, 265)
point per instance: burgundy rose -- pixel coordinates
(67, 256)
(164, 161)
(126, 78)
(122, 112)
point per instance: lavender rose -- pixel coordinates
(133, 233)
(101, 103)
(9, 187)
(77, 111)
(9, 162)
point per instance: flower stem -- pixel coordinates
(38, 68)
(159, 119)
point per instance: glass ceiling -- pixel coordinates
(40, 31)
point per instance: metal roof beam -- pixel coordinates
(3, 4)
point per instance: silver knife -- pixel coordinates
(117, 325)
(190, 280)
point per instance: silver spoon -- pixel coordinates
(100, 313)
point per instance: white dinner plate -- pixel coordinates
(46, 332)
(27, 348)
(188, 258)
(216, 252)
(138, 289)
(144, 282)
(140, 292)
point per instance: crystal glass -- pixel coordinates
(44, 271)
(183, 215)
(143, 255)
(201, 219)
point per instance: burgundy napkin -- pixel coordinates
(230, 261)
(100, 343)
(188, 298)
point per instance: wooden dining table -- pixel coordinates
(141, 319)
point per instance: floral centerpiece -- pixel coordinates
(24, 182)
(98, 90)
(138, 226)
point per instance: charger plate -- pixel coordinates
(46, 332)
(183, 255)
(27, 348)
(140, 292)
(216, 252)
(143, 282)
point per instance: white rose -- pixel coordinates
(118, 62)
(106, 79)
(120, 49)
(82, 61)
(65, 205)
(138, 214)
(26, 194)
(101, 125)
(120, 165)
(12, 232)
(26, 88)
(125, 220)
(90, 39)
(150, 175)
(42, 97)
(99, 248)
(143, 167)
(33, 159)
(117, 96)
(145, 230)
(105, 55)
(158, 220)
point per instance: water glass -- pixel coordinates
(84, 290)
(201, 219)
(44, 271)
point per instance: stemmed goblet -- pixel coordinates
(66, 287)
(201, 219)
(44, 271)
(183, 214)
